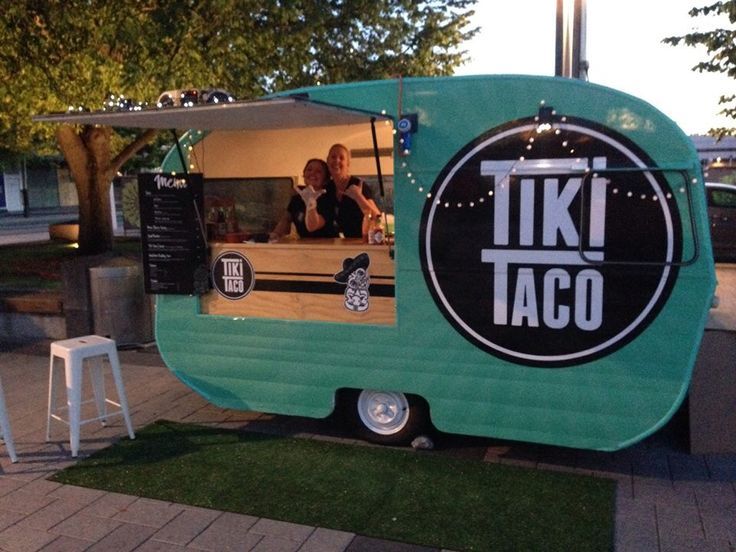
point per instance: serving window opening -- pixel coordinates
(251, 177)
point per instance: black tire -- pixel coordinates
(385, 418)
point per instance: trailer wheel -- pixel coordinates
(388, 417)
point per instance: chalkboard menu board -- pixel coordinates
(172, 226)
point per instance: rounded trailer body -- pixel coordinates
(552, 271)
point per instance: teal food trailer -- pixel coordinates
(548, 280)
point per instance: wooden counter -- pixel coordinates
(295, 280)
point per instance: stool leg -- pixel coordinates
(52, 406)
(98, 387)
(117, 376)
(74, 400)
(5, 427)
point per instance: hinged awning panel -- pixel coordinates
(278, 113)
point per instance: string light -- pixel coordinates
(531, 142)
(121, 103)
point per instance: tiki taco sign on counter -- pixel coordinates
(542, 268)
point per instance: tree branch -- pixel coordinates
(131, 149)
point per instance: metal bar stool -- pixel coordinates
(74, 352)
(5, 433)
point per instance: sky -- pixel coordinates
(624, 49)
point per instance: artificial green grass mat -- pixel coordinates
(417, 497)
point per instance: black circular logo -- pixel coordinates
(552, 246)
(232, 275)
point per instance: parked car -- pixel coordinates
(722, 215)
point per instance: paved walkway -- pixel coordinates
(667, 499)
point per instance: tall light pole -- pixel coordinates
(570, 59)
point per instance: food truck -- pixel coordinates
(546, 277)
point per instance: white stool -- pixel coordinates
(5, 433)
(74, 352)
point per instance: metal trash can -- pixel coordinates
(120, 307)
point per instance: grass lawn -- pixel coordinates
(417, 497)
(37, 266)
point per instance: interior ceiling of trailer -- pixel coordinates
(277, 113)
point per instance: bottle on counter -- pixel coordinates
(231, 220)
(367, 222)
(221, 224)
(375, 230)
(212, 224)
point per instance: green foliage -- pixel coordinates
(68, 53)
(421, 498)
(720, 45)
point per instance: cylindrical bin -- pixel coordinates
(120, 307)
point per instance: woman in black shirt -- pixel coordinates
(353, 198)
(312, 208)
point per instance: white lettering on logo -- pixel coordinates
(232, 275)
(558, 230)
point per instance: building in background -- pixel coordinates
(33, 185)
(718, 158)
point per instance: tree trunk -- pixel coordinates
(91, 167)
(95, 217)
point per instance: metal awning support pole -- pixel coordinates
(181, 153)
(570, 59)
(376, 155)
(24, 188)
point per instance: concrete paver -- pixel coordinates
(636, 525)
(9, 518)
(19, 538)
(8, 485)
(76, 494)
(149, 512)
(276, 544)
(666, 499)
(66, 544)
(160, 546)
(718, 524)
(124, 538)
(274, 528)
(327, 540)
(23, 503)
(109, 505)
(189, 523)
(81, 526)
(228, 532)
(53, 514)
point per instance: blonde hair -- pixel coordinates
(341, 146)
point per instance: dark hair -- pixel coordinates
(322, 162)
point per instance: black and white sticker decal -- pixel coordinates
(550, 248)
(232, 275)
(354, 275)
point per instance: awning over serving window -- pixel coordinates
(277, 113)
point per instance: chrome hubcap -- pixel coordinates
(383, 412)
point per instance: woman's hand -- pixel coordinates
(355, 192)
(310, 196)
(367, 206)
